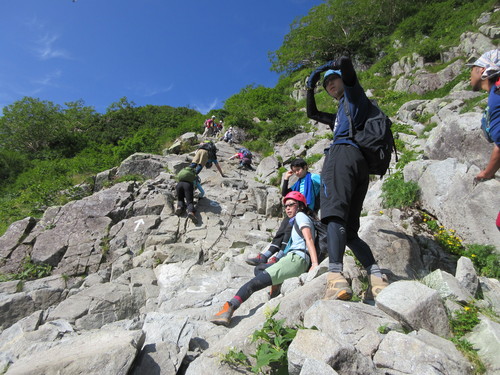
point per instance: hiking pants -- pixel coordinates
(344, 183)
(185, 191)
(260, 281)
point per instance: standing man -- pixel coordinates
(485, 75)
(344, 178)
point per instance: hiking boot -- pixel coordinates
(178, 211)
(275, 291)
(193, 217)
(337, 287)
(223, 317)
(259, 259)
(375, 286)
(272, 260)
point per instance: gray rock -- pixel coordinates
(267, 169)
(392, 249)
(467, 276)
(447, 286)
(293, 147)
(146, 165)
(96, 352)
(416, 306)
(485, 338)
(360, 325)
(419, 357)
(491, 292)
(342, 357)
(315, 367)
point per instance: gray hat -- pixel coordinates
(490, 61)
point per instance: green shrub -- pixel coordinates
(464, 320)
(485, 259)
(396, 193)
(30, 271)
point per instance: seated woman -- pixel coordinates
(299, 253)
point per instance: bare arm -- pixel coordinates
(492, 167)
(306, 232)
(219, 169)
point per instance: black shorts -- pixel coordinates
(344, 183)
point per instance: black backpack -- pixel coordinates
(211, 148)
(375, 139)
(320, 238)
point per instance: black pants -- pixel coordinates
(261, 280)
(344, 181)
(185, 192)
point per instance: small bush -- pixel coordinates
(485, 259)
(273, 341)
(396, 193)
(30, 271)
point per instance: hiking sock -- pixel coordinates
(236, 302)
(374, 270)
(267, 254)
(336, 267)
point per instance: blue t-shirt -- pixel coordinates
(297, 242)
(359, 107)
(492, 114)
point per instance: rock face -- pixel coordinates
(133, 286)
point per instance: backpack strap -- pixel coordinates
(348, 114)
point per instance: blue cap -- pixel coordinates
(329, 73)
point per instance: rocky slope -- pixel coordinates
(133, 285)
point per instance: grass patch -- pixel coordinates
(29, 271)
(396, 193)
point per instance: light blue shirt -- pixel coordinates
(298, 242)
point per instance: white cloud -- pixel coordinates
(206, 108)
(49, 79)
(44, 45)
(45, 48)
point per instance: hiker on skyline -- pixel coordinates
(344, 177)
(209, 127)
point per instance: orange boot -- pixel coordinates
(223, 317)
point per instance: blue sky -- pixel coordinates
(194, 53)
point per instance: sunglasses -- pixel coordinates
(290, 204)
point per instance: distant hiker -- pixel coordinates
(309, 185)
(245, 157)
(218, 127)
(187, 180)
(209, 127)
(228, 136)
(344, 178)
(485, 75)
(300, 256)
(206, 156)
